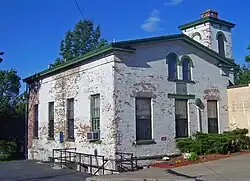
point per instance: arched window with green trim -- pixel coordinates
(221, 45)
(186, 67)
(172, 66)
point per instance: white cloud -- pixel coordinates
(173, 2)
(152, 23)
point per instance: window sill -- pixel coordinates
(70, 139)
(179, 80)
(50, 138)
(180, 96)
(144, 142)
(96, 141)
(182, 138)
(186, 81)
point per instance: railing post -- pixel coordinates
(90, 160)
(80, 162)
(65, 156)
(70, 156)
(53, 157)
(103, 170)
(61, 157)
(132, 162)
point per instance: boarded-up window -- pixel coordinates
(181, 118)
(51, 120)
(143, 119)
(95, 112)
(212, 114)
(35, 131)
(70, 118)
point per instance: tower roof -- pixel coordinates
(207, 16)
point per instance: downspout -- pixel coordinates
(26, 121)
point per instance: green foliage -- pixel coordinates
(193, 156)
(9, 89)
(12, 111)
(85, 37)
(203, 143)
(242, 75)
(7, 150)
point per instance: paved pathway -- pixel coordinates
(31, 171)
(229, 169)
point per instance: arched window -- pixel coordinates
(221, 38)
(186, 69)
(172, 66)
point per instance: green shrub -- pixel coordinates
(7, 150)
(193, 156)
(203, 143)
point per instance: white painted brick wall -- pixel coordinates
(208, 33)
(147, 71)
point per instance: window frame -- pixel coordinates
(70, 119)
(184, 121)
(36, 121)
(172, 58)
(51, 118)
(213, 122)
(221, 43)
(140, 119)
(95, 112)
(186, 70)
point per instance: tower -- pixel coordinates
(212, 32)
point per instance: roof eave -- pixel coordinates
(204, 20)
(47, 72)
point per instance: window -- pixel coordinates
(70, 118)
(212, 115)
(181, 118)
(51, 120)
(221, 47)
(35, 134)
(143, 119)
(186, 69)
(172, 66)
(95, 112)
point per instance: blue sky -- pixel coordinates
(31, 30)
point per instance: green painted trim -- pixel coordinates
(212, 53)
(144, 142)
(186, 81)
(221, 33)
(70, 139)
(227, 66)
(96, 141)
(189, 60)
(205, 20)
(179, 96)
(157, 39)
(126, 46)
(196, 34)
(74, 61)
(177, 63)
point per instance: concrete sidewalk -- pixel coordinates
(235, 168)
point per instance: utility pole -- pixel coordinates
(1, 53)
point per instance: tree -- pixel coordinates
(243, 73)
(9, 89)
(84, 38)
(1, 53)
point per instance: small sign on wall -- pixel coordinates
(163, 138)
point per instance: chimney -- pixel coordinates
(210, 13)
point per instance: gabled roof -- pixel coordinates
(205, 20)
(127, 46)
